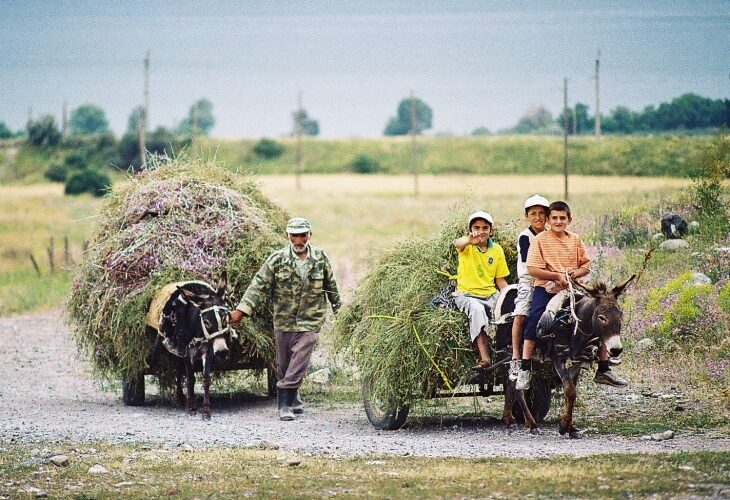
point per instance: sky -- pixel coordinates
(476, 63)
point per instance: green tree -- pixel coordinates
(621, 120)
(535, 121)
(134, 120)
(5, 132)
(159, 142)
(401, 123)
(88, 119)
(200, 117)
(578, 120)
(481, 131)
(309, 125)
(43, 132)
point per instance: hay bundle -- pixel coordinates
(181, 220)
(404, 346)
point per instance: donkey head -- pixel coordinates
(602, 312)
(209, 317)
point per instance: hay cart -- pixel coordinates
(133, 390)
(387, 415)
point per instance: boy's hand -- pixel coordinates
(477, 236)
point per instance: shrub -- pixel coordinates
(708, 192)
(75, 160)
(56, 172)
(88, 180)
(43, 132)
(268, 149)
(364, 164)
(684, 309)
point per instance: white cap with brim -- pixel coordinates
(481, 215)
(536, 200)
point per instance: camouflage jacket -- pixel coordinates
(299, 304)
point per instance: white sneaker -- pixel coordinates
(523, 380)
(514, 369)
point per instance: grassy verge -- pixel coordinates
(612, 155)
(144, 472)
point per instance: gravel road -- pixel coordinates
(47, 395)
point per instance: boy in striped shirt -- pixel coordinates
(552, 254)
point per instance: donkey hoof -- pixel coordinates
(575, 434)
(192, 412)
(535, 431)
(206, 415)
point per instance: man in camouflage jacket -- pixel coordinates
(299, 281)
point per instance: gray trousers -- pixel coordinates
(293, 352)
(474, 308)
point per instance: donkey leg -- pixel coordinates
(508, 418)
(179, 373)
(566, 424)
(530, 422)
(190, 379)
(207, 362)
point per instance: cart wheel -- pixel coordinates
(271, 382)
(538, 398)
(133, 391)
(382, 416)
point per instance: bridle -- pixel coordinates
(220, 312)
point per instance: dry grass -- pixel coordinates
(151, 472)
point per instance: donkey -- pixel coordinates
(599, 319)
(194, 325)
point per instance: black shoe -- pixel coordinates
(297, 404)
(284, 398)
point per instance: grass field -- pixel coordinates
(353, 216)
(612, 155)
(148, 472)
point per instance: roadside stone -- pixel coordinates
(673, 245)
(59, 460)
(186, 447)
(293, 462)
(97, 469)
(321, 377)
(701, 279)
(268, 445)
(644, 344)
(662, 436)
(36, 492)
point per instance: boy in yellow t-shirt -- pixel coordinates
(482, 270)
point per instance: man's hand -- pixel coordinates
(235, 316)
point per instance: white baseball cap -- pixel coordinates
(536, 200)
(481, 215)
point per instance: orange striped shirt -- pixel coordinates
(556, 254)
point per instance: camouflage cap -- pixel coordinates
(298, 225)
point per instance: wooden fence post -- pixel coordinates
(35, 264)
(50, 256)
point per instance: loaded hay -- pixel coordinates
(181, 219)
(405, 347)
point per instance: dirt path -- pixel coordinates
(47, 395)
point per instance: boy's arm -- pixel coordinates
(461, 243)
(500, 283)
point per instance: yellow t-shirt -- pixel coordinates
(477, 270)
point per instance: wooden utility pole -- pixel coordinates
(575, 119)
(298, 132)
(414, 155)
(146, 114)
(565, 138)
(30, 114)
(64, 119)
(598, 100)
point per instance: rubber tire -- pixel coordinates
(133, 391)
(538, 398)
(383, 417)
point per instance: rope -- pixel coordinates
(423, 347)
(571, 294)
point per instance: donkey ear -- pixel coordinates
(619, 289)
(188, 295)
(222, 283)
(583, 288)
